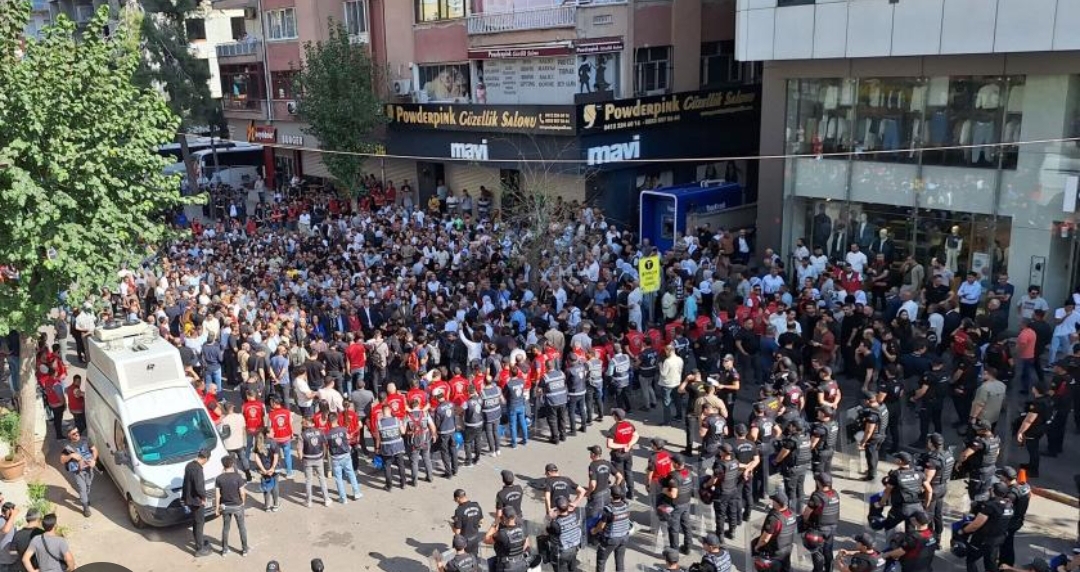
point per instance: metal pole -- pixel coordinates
(266, 65)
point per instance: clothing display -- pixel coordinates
(1016, 99)
(983, 133)
(988, 97)
(937, 93)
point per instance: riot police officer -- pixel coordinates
(619, 371)
(890, 393)
(602, 475)
(980, 459)
(1039, 416)
(462, 561)
(556, 485)
(509, 495)
(915, 549)
(863, 559)
(445, 422)
(472, 418)
(421, 432)
(937, 465)
(793, 459)
(510, 542)
(713, 429)
(730, 383)
(679, 491)
(764, 431)
(905, 489)
(594, 393)
(564, 536)
(822, 515)
(873, 428)
(726, 474)
(390, 442)
(988, 529)
(1020, 496)
(553, 391)
(929, 398)
(716, 559)
(576, 383)
(748, 455)
(824, 437)
(648, 372)
(491, 406)
(777, 533)
(613, 530)
(313, 448)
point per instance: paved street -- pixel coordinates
(398, 531)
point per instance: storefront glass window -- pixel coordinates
(967, 113)
(888, 117)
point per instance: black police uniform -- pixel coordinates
(648, 372)
(473, 419)
(555, 399)
(828, 435)
(620, 380)
(576, 383)
(932, 404)
(824, 519)
(601, 472)
(391, 447)
(467, 519)
(491, 407)
(464, 562)
(796, 466)
(942, 462)
(919, 548)
(764, 425)
(1020, 497)
(1046, 413)
(982, 465)
(446, 425)
(727, 505)
(893, 390)
(510, 496)
(510, 553)
(564, 540)
(745, 450)
(907, 491)
(616, 533)
(782, 524)
(679, 520)
(985, 544)
(871, 416)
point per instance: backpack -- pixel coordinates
(378, 359)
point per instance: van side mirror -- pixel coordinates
(122, 458)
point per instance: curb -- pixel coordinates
(1056, 496)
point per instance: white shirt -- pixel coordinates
(1068, 323)
(819, 263)
(857, 260)
(771, 284)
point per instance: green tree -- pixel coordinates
(82, 190)
(336, 95)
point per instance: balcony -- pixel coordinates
(241, 107)
(239, 49)
(536, 19)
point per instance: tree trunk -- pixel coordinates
(28, 399)
(189, 166)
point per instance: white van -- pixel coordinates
(147, 422)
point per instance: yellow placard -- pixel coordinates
(649, 272)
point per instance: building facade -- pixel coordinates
(480, 90)
(949, 125)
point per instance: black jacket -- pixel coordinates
(194, 488)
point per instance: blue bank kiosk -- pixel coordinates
(677, 209)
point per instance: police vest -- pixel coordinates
(554, 389)
(714, 434)
(620, 375)
(444, 418)
(463, 562)
(390, 435)
(575, 380)
(832, 435)
(685, 486)
(828, 509)
(338, 439)
(991, 450)
(909, 485)
(596, 372)
(716, 562)
(515, 543)
(883, 412)
(474, 416)
(569, 531)
(786, 537)
(682, 346)
(921, 555)
(1021, 498)
(313, 442)
(648, 363)
(731, 476)
(765, 429)
(867, 562)
(492, 404)
(515, 392)
(744, 450)
(802, 453)
(943, 474)
(419, 433)
(618, 526)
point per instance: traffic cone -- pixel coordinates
(1021, 475)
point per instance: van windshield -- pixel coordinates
(174, 438)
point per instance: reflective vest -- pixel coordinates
(515, 545)
(445, 422)
(618, 524)
(827, 513)
(555, 389)
(596, 372)
(515, 392)
(569, 531)
(716, 561)
(390, 435)
(909, 486)
(281, 424)
(620, 372)
(802, 453)
(492, 404)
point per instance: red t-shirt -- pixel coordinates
(661, 466)
(459, 388)
(635, 341)
(281, 424)
(355, 352)
(351, 422)
(397, 405)
(254, 411)
(417, 393)
(439, 390)
(76, 403)
(623, 432)
(54, 390)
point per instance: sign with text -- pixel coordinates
(660, 109)
(547, 119)
(649, 273)
(533, 80)
(261, 133)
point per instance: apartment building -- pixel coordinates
(910, 120)
(477, 86)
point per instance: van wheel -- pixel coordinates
(133, 515)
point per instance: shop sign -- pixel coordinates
(470, 151)
(615, 152)
(510, 52)
(261, 133)
(658, 110)
(598, 46)
(292, 140)
(546, 119)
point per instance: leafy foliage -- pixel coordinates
(336, 95)
(82, 190)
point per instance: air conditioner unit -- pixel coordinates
(291, 107)
(402, 86)
(251, 14)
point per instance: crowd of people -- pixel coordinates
(424, 338)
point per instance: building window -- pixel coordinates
(652, 70)
(782, 3)
(356, 18)
(281, 24)
(282, 83)
(445, 82)
(239, 28)
(434, 10)
(242, 85)
(719, 66)
(196, 29)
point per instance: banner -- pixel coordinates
(660, 109)
(544, 119)
(649, 273)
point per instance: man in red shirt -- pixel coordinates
(624, 438)
(419, 395)
(355, 355)
(459, 387)
(77, 403)
(438, 389)
(396, 401)
(281, 430)
(254, 419)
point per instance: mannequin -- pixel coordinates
(883, 245)
(822, 228)
(863, 232)
(838, 243)
(954, 243)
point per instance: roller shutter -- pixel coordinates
(468, 176)
(313, 165)
(396, 170)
